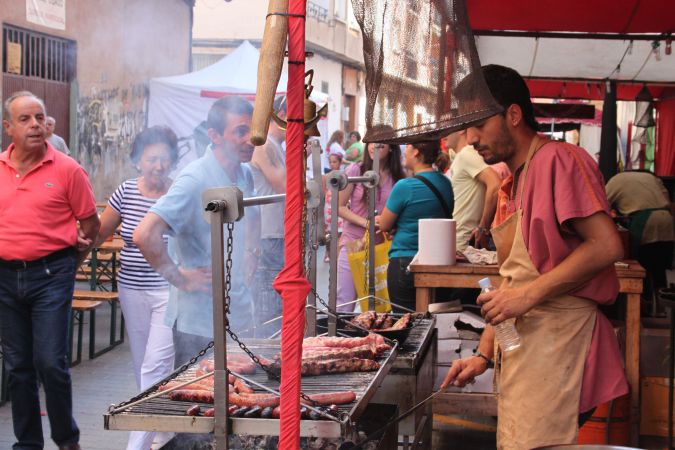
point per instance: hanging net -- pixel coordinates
(644, 109)
(418, 54)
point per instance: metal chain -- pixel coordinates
(228, 269)
(228, 330)
(171, 377)
(304, 205)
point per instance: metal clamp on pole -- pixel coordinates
(338, 179)
(228, 201)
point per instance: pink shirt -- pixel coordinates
(358, 203)
(38, 211)
(563, 183)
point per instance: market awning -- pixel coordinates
(566, 48)
(597, 16)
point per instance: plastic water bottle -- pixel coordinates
(506, 333)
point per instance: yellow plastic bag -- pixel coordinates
(357, 253)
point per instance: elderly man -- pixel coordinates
(43, 196)
(179, 214)
(54, 139)
(557, 246)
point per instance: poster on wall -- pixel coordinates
(48, 13)
(14, 58)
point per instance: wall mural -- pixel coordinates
(108, 121)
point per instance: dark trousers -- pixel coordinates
(401, 285)
(35, 310)
(655, 258)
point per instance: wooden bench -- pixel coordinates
(102, 296)
(79, 307)
(107, 267)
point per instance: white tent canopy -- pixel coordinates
(182, 102)
(592, 59)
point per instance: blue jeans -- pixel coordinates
(35, 311)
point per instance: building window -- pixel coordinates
(32, 54)
(341, 10)
(318, 9)
(410, 65)
(324, 87)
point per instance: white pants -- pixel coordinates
(151, 342)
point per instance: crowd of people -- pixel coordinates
(556, 245)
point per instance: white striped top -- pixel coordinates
(132, 206)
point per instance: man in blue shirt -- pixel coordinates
(180, 215)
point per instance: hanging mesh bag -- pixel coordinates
(418, 54)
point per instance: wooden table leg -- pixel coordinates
(633, 363)
(423, 299)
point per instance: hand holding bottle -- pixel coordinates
(506, 303)
(505, 330)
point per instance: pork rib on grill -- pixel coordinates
(323, 367)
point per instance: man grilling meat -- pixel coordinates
(556, 246)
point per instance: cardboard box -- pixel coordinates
(654, 408)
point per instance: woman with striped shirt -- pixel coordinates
(143, 293)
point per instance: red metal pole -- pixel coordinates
(291, 282)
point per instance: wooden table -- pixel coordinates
(464, 275)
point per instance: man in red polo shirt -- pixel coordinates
(43, 196)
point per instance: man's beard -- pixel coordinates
(502, 148)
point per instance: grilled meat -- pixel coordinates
(365, 319)
(328, 366)
(341, 342)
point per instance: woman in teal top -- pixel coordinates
(427, 195)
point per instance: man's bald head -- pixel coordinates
(7, 114)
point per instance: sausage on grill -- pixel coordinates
(193, 410)
(251, 400)
(194, 396)
(242, 387)
(331, 398)
(201, 385)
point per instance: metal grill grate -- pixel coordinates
(161, 414)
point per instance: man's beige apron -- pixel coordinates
(539, 383)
